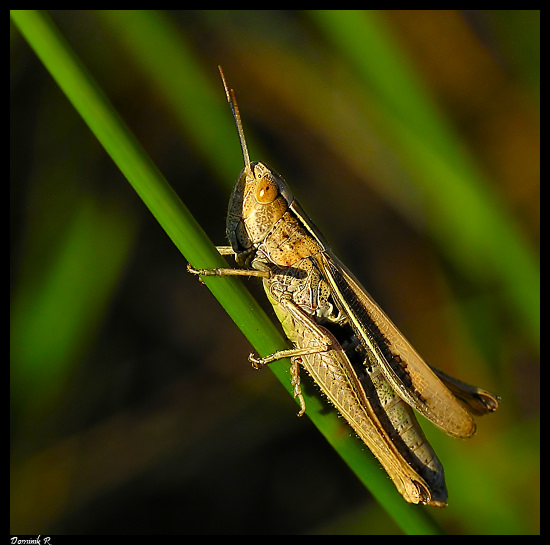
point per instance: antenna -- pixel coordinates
(237, 116)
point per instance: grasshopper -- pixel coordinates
(342, 338)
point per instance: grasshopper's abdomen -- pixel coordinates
(409, 437)
(355, 385)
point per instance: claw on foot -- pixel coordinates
(295, 373)
(257, 363)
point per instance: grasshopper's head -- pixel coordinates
(259, 199)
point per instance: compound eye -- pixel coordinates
(266, 191)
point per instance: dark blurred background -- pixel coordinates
(133, 407)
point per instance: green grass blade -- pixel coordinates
(187, 235)
(134, 163)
